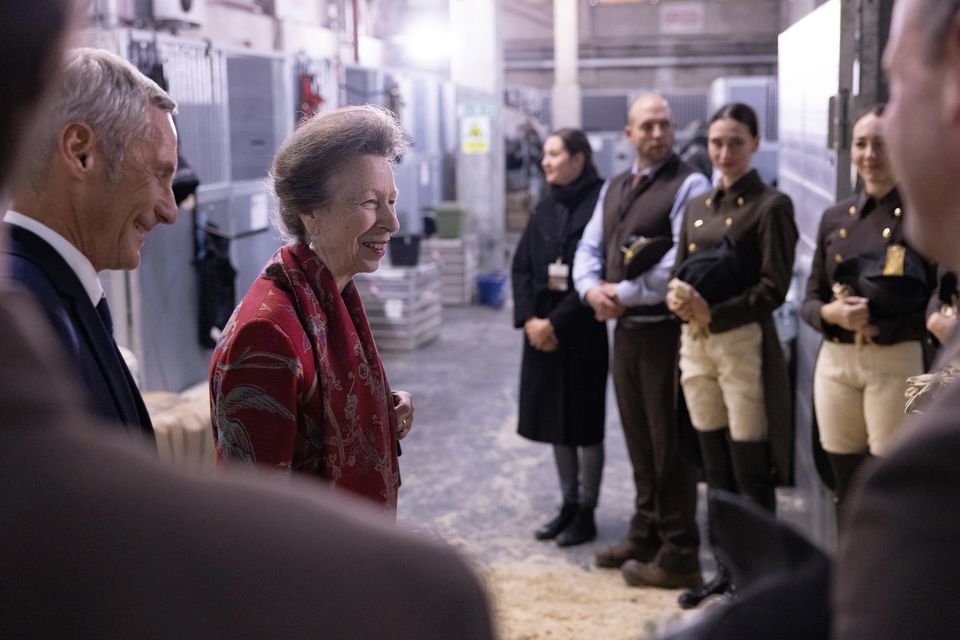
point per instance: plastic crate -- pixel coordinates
(451, 219)
(491, 288)
(405, 250)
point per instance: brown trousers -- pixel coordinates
(645, 378)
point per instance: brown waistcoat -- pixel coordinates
(644, 211)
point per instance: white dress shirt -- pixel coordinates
(71, 255)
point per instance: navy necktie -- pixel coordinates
(143, 418)
(104, 310)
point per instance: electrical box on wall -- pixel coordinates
(190, 12)
(107, 13)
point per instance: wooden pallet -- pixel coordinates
(403, 305)
(518, 204)
(458, 260)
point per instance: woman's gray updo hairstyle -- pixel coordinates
(306, 166)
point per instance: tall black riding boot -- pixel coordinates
(718, 585)
(844, 468)
(718, 471)
(754, 473)
(717, 465)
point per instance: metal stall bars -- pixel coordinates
(166, 282)
(233, 114)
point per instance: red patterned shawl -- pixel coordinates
(294, 309)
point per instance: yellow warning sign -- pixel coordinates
(475, 134)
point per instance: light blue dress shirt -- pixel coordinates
(649, 287)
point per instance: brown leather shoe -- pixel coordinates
(651, 574)
(614, 556)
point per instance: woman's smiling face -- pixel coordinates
(559, 167)
(351, 232)
(869, 152)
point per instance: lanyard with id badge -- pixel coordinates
(558, 274)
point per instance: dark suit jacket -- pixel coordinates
(898, 570)
(99, 540)
(44, 274)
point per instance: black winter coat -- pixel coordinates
(562, 393)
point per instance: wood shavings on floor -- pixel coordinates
(542, 598)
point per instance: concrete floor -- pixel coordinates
(467, 476)
(470, 480)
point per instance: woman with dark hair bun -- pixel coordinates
(867, 294)
(563, 377)
(734, 264)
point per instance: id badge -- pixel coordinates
(557, 276)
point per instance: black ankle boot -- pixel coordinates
(581, 529)
(720, 584)
(550, 530)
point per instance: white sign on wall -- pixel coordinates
(259, 211)
(683, 17)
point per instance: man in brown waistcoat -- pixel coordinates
(646, 202)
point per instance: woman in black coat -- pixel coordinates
(564, 372)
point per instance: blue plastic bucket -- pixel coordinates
(491, 288)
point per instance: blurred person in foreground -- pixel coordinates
(99, 540)
(896, 571)
(563, 378)
(96, 181)
(296, 381)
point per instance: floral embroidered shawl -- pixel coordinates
(339, 424)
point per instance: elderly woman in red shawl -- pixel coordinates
(296, 382)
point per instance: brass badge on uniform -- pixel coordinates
(893, 264)
(557, 275)
(841, 291)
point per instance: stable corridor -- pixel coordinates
(469, 479)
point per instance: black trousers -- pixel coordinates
(645, 378)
